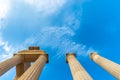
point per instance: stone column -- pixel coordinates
(8, 64)
(111, 67)
(78, 72)
(34, 71)
(21, 68)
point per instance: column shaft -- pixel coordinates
(21, 68)
(34, 71)
(111, 67)
(78, 72)
(8, 64)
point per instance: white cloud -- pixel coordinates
(73, 19)
(60, 39)
(69, 46)
(46, 6)
(52, 35)
(5, 45)
(4, 8)
(6, 51)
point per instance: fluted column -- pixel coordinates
(78, 72)
(21, 68)
(111, 67)
(34, 71)
(8, 64)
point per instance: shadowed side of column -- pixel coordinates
(34, 71)
(8, 64)
(110, 66)
(21, 68)
(78, 72)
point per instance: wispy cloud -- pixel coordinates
(60, 40)
(56, 37)
(5, 50)
(4, 8)
(46, 7)
(4, 11)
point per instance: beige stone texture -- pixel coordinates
(34, 71)
(78, 72)
(8, 64)
(110, 66)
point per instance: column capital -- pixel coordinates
(93, 54)
(34, 48)
(32, 54)
(69, 54)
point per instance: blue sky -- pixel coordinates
(58, 27)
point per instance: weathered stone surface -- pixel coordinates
(110, 66)
(78, 72)
(8, 64)
(34, 71)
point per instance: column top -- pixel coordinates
(34, 48)
(32, 54)
(68, 54)
(93, 54)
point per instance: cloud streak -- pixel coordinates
(46, 7)
(4, 8)
(6, 51)
(59, 39)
